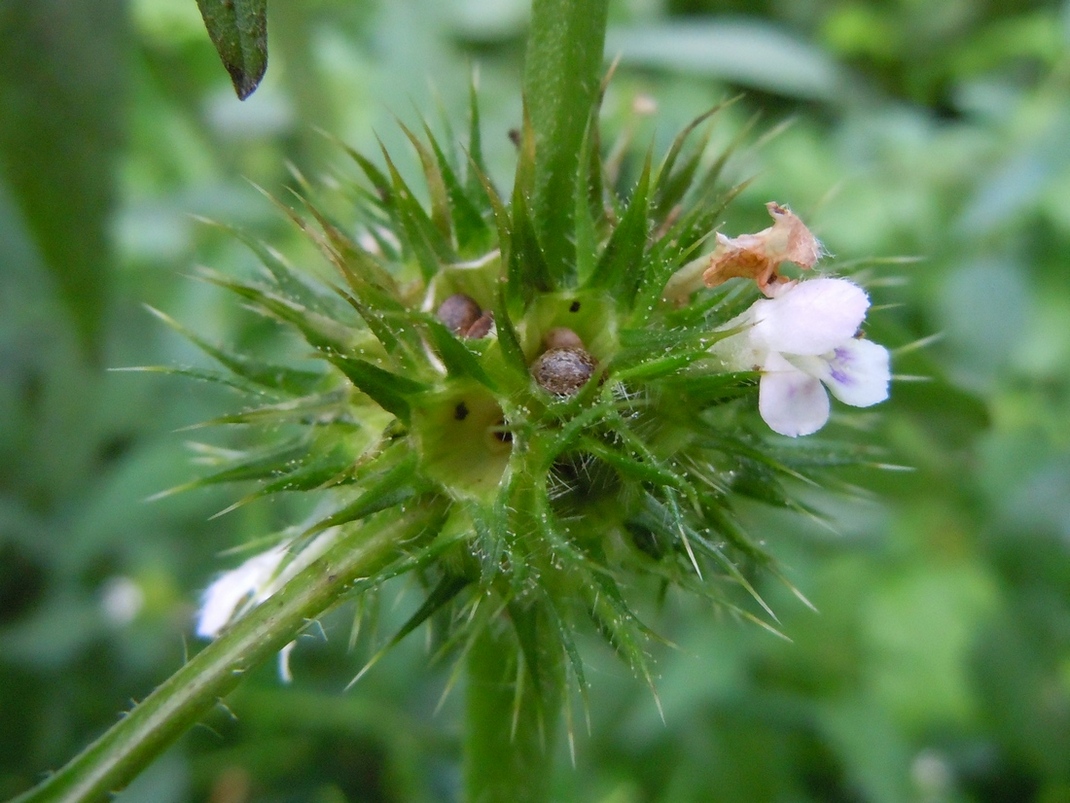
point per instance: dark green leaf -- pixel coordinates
(508, 340)
(441, 595)
(586, 208)
(200, 374)
(528, 271)
(285, 277)
(238, 29)
(666, 179)
(502, 219)
(634, 466)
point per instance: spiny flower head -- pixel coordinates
(575, 432)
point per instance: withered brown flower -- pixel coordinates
(759, 256)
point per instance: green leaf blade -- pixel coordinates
(238, 29)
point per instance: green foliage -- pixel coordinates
(936, 669)
(62, 84)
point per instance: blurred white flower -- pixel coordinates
(233, 593)
(801, 338)
(121, 599)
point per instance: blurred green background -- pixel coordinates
(938, 666)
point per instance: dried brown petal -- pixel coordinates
(759, 256)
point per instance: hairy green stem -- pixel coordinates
(562, 74)
(126, 748)
(512, 718)
(516, 694)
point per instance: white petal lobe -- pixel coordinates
(858, 373)
(790, 401)
(812, 317)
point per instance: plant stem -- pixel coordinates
(512, 719)
(134, 741)
(562, 74)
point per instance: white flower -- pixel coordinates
(801, 338)
(233, 593)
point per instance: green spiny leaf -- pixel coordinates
(390, 486)
(712, 176)
(320, 408)
(324, 333)
(287, 280)
(436, 185)
(508, 340)
(426, 242)
(632, 467)
(258, 464)
(459, 361)
(502, 219)
(312, 472)
(389, 390)
(586, 236)
(619, 268)
(672, 186)
(471, 230)
(267, 375)
(616, 621)
(528, 271)
(441, 596)
(360, 269)
(712, 387)
(200, 374)
(475, 142)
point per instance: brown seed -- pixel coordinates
(563, 371)
(561, 337)
(481, 327)
(459, 312)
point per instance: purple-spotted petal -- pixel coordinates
(791, 401)
(857, 372)
(811, 317)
